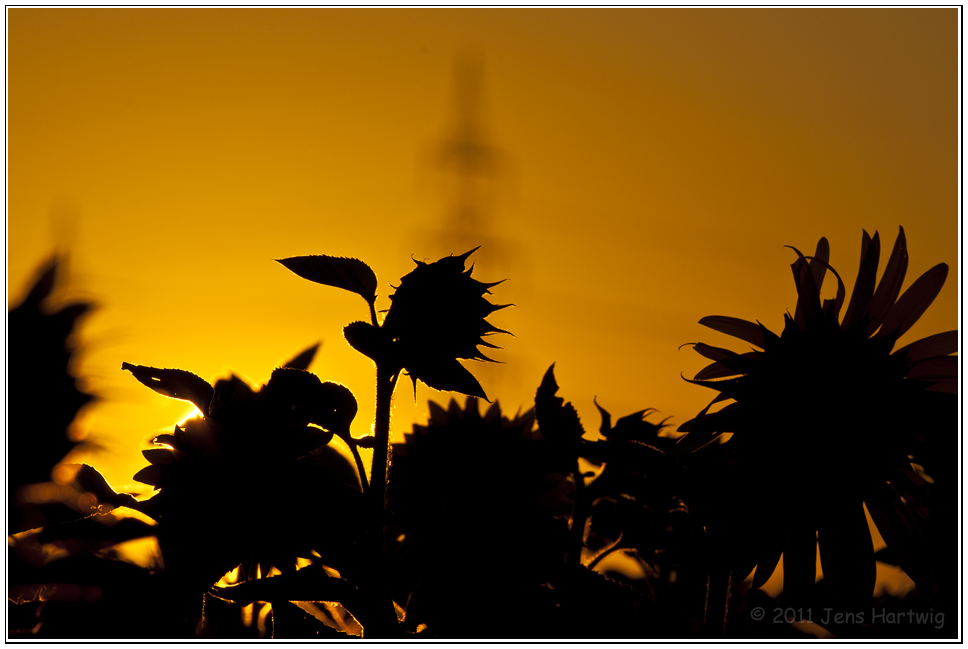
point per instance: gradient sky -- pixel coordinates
(646, 168)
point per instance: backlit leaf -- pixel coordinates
(340, 272)
(174, 383)
(90, 480)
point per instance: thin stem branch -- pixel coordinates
(359, 464)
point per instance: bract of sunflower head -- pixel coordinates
(250, 482)
(827, 416)
(438, 316)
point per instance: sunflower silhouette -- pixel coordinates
(251, 481)
(480, 504)
(827, 418)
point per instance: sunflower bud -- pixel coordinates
(438, 316)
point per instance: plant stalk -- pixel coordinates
(579, 517)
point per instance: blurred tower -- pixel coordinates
(469, 173)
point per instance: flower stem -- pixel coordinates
(579, 517)
(385, 383)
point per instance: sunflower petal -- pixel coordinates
(820, 261)
(890, 285)
(915, 301)
(719, 370)
(808, 297)
(766, 564)
(742, 329)
(860, 298)
(153, 475)
(940, 344)
(939, 368)
(740, 364)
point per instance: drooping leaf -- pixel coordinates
(90, 480)
(890, 285)
(174, 383)
(303, 359)
(341, 272)
(915, 301)
(373, 342)
(557, 420)
(940, 344)
(863, 292)
(742, 329)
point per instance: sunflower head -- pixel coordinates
(480, 506)
(438, 316)
(826, 416)
(252, 481)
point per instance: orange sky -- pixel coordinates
(648, 167)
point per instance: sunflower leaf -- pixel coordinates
(174, 383)
(90, 479)
(340, 272)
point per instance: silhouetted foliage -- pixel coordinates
(482, 526)
(827, 419)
